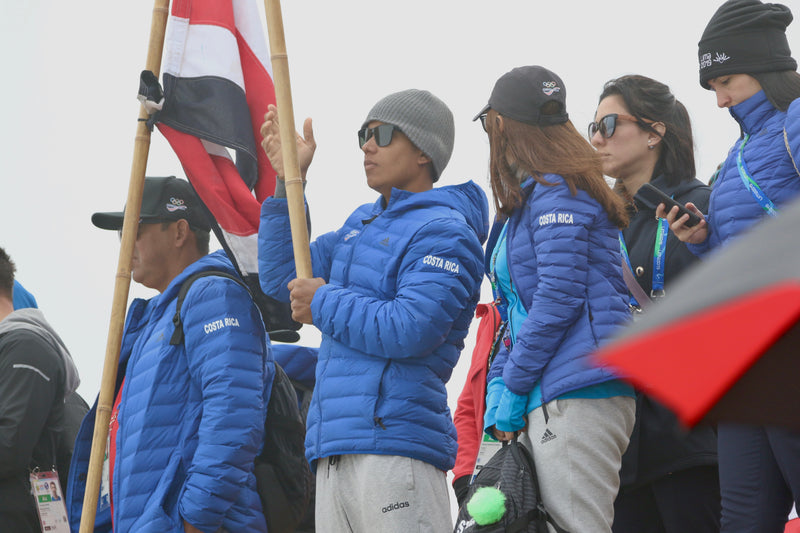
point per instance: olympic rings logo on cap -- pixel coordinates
(175, 204)
(550, 87)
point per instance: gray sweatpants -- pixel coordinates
(387, 493)
(577, 454)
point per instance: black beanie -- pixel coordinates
(745, 37)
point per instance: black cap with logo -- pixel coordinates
(163, 200)
(520, 94)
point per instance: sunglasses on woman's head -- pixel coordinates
(382, 134)
(608, 124)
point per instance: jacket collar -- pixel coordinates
(753, 113)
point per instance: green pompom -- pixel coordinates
(487, 505)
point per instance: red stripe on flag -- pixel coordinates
(217, 183)
(208, 12)
(181, 8)
(260, 92)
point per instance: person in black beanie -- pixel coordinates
(745, 36)
(744, 57)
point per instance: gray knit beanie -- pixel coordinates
(424, 119)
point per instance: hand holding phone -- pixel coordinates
(651, 197)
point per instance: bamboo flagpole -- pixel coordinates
(291, 167)
(122, 283)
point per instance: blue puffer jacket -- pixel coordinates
(191, 419)
(565, 262)
(732, 208)
(402, 285)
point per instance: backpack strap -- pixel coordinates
(177, 335)
(539, 514)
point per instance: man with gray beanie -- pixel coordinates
(395, 294)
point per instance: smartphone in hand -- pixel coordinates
(651, 197)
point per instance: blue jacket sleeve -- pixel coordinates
(429, 298)
(276, 255)
(233, 370)
(792, 131)
(494, 391)
(298, 361)
(511, 411)
(562, 255)
(701, 249)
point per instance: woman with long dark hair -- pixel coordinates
(669, 478)
(555, 266)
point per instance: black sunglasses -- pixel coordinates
(483, 122)
(608, 124)
(382, 134)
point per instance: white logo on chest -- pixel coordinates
(556, 218)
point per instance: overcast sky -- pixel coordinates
(69, 109)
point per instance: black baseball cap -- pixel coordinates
(163, 200)
(520, 94)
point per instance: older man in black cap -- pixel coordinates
(188, 418)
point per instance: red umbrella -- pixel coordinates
(724, 345)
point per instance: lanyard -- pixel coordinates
(659, 260)
(751, 185)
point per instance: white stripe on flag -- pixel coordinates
(202, 50)
(216, 149)
(249, 25)
(245, 249)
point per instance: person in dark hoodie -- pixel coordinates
(669, 477)
(394, 296)
(36, 375)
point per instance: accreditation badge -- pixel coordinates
(49, 499)
(489, 447)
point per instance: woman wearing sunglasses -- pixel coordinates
(555, 265)
(745, 59)
(669, 479)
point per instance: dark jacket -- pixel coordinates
(36, 373)
(659, 444)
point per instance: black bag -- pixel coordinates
(282, 472)
(511, 471)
